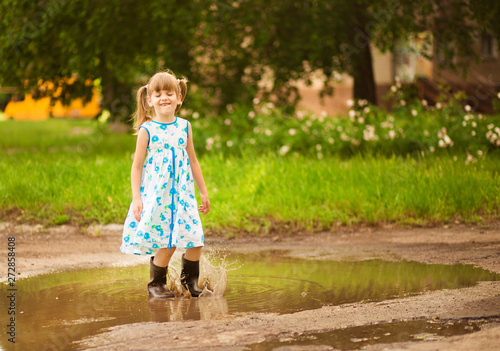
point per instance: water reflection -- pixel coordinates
(55, 310)
(182, 309)
(357, 338)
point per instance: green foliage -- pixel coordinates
(230, 49)
(116, 43)
(245, 41)
(411, 128)
(486, 14)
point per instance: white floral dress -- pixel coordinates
(170, 215)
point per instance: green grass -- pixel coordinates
(52, 173)
(314, 193)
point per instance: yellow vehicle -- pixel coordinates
(28, 108)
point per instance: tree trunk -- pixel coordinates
(362, 66)
(364, 80)
(117, 98)
(360, 56)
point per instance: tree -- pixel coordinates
(117, 42)
(291, 39)
(231, 48)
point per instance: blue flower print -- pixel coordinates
(170, 216)
(184, 204)
(159, 229)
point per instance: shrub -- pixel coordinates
(411, 128)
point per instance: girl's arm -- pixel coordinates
(136, 174)
(197, 175)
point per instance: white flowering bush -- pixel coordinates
(411, 128)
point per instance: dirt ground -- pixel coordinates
(42, 250)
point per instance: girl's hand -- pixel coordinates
(137, 208)
(205, 204)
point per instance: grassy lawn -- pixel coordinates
(62, 171)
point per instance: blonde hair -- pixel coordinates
(160, 81)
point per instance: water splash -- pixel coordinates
(212, 279)
(68, 306)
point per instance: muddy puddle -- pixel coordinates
(356, 338)
(55, 310)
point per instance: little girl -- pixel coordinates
(163, 214)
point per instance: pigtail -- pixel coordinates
(182, 90)
(141, 115)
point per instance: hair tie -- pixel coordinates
(178, 81)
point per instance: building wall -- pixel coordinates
(336, 104)
(484, 71)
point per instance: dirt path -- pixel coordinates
(40, 250)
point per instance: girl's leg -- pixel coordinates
(158, 269)
(163, 256)
(193, 253)
(191, 270)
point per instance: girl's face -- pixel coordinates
(164, 102)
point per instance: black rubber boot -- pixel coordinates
(157, 286)
(189, 276)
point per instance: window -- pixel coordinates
(488, 46)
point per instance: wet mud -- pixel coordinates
(302, 292)
(66, 307)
